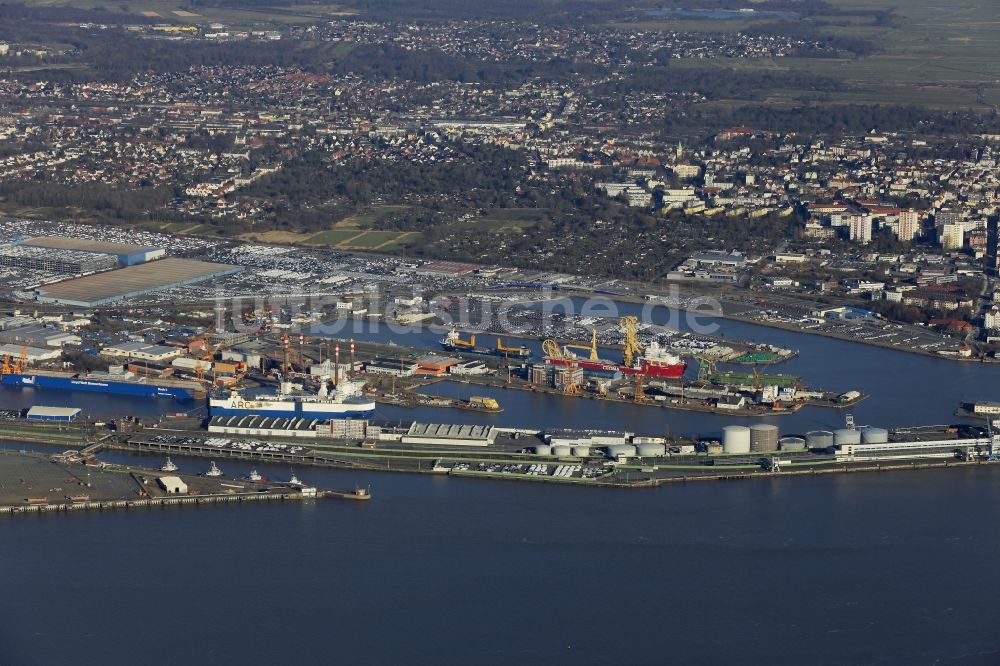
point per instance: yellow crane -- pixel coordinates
(553, 350)
(13, 366)
(570, 385)
(632, 348)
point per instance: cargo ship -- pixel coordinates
(112, 383)
(654, 362)
(453, 342)
(291, 401)
(651, 360)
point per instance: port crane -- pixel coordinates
(553, 350)
(12, 366)
(631, 351)
(706, 368)
(570, 385)
(630, 332)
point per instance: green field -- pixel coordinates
(332, 237)
(375, 239)
(361, 239)
(366, 219)
(506, 220)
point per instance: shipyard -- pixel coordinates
(388, 379)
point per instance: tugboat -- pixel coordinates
(213, 470)
(255, 477)
(168, 466)
(294, 481)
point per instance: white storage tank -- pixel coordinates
(581, 451)
(872, 435)
(562, 451)
(792, 444)
(819, 439)
(736, 439)
(650, 450)
(621, 451)
(846, 436)
(763, 437)
(543, 449)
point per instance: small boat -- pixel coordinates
(213, 470)
(294, 481)
(168, 466)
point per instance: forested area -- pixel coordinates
(97, 199)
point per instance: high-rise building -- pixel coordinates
(908, 226)
(951, 236)
(861, 228)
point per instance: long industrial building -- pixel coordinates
(126, 254)
(938, 448)
(448, 434)
(69, 262)
(131, 281)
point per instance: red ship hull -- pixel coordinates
(650, 369)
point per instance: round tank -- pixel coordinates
(543, 449)
(819, 439)
(621, 450)
(736, 439)
(581, 451)
(562, 450)
(870, 435)
(651, 450)
(763, 437)
(846, 436)
(792, 444)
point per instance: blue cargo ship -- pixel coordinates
(123, 384)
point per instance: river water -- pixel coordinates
(891, 568)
